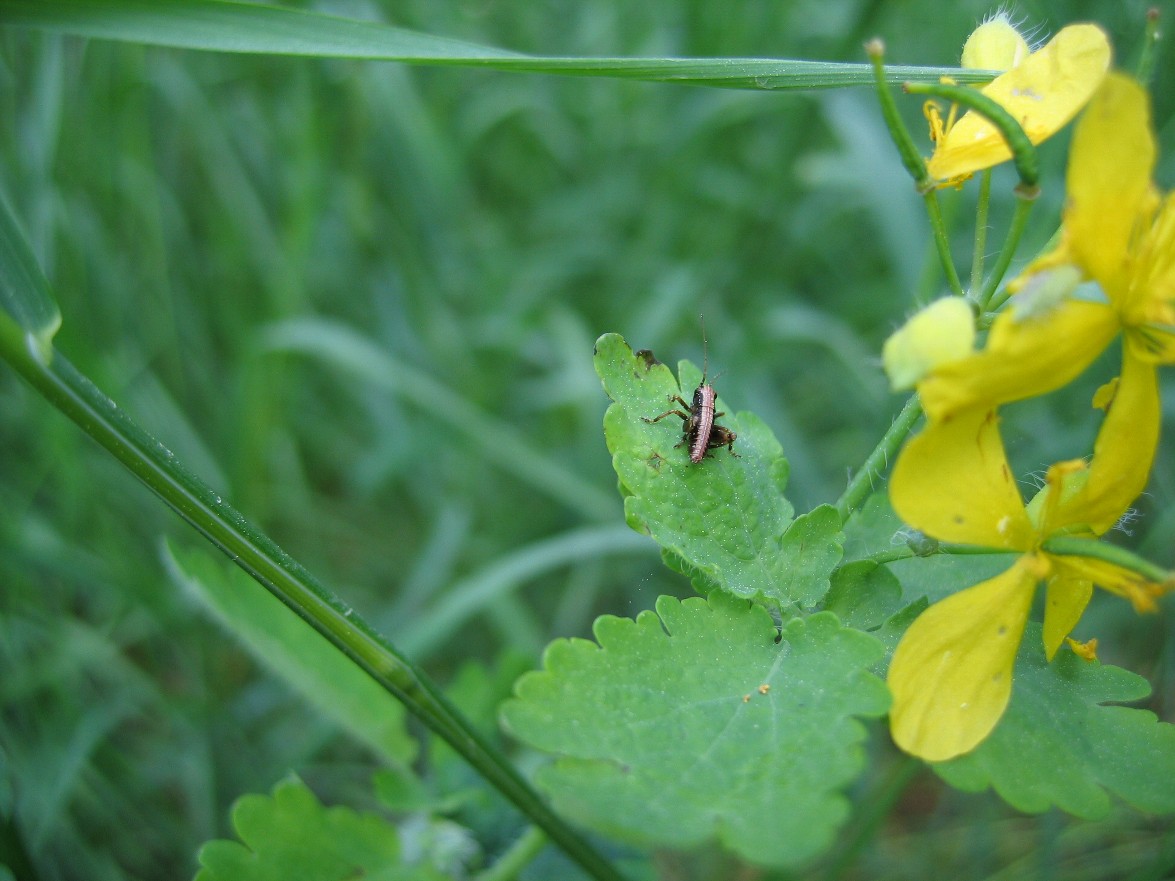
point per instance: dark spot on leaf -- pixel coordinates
(648, 357)
(959, 518)
(1003, 630)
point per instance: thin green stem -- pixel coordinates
(1024, 203)
(911, 158)
(913, 162)
(942, 241)
(153, 464)
(520, 855)
(980, 253)
(893, 555)
(1146, 57)
(861, 484)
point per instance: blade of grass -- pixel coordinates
(471, 595)
(215, 25)
(495, 440)
(152, 463)
(24, 292)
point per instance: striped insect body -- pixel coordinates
(699, 428)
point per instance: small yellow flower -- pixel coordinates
(1117, 232)
(951, 675)
(1043, 91)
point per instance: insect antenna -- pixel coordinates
(705, 348)
(706, 353)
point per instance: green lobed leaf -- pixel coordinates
(725, 518)
(1059, 745)
(873, 527)
(291, 648)
(220, 26)
(291, 835)
(864, 594)
(695, 723)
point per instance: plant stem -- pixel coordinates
(893, 555)
(520, 855)
(980, 252)
(913, 163)
(1145, 68)
(1024, 202)
(79, 399)
(942, 241)
(875, 465)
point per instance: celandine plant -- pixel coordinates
(739, 718)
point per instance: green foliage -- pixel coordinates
(863, 595)
(291, 835)
(260, 28)
(24, 292)
(725, 518)
(291, 649)
(208, 220)
(1059, 745)
(695, 722)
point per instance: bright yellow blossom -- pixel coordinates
(951, 676)
(1118, 232)
(1043, 91)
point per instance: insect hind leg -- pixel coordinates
(682, 416)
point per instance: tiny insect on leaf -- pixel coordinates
(699, 428)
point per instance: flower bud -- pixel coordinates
(995, 45)
(942, 332)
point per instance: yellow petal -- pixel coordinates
(1043, 94)
(1104, 396)
(1109, 180)
(1024, 357)
(1122, 454)
(1062, 482)
(1141, 591)
(951, 676)
(994, 45)
(1149, 304)
(943, 331)
(1065, 601)
(953, 483)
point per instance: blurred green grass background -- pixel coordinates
(471, 232)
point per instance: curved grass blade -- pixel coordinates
(220, 26)
(24, 292)
(157, 467)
